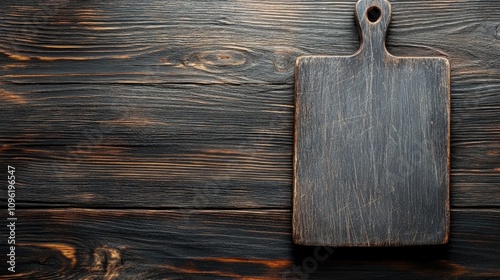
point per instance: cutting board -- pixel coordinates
(371, 148)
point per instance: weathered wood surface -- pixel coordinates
(243, 144)
(371, 144)
(76, 45)
(232, 244)
(168, 104)
(60, 41)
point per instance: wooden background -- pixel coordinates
(153, 139)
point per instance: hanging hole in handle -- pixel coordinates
(373, 14)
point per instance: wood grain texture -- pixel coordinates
(67, 58)
(57, 41)
(204, 244)
(371, 149)
(213, 146)
(122, 105)
(72, 139)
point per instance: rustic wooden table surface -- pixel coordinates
(153, 139)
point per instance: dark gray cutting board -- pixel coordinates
(371, 153)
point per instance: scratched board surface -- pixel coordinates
(371, 150)
(155, 141)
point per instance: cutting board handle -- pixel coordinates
(373, 18)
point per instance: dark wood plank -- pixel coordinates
(248, 146)
(371, 148)
(162, 144)
(246, 42)
(160, 115)
(166, 146)
(135, 177)
(248, 175)
(104, 244)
